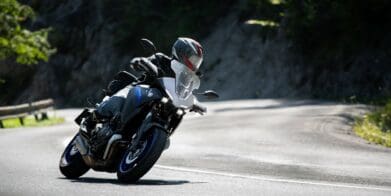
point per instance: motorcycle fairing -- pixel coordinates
(170, 87)
(136, 97)
(186, 80)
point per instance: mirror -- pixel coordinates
(148, 45)
(210, 94)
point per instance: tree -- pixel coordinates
(27, 47)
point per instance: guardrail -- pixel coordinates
(23, 110)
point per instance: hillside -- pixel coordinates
(254, 49)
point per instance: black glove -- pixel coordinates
(137, 63)
(199, 109)
(145, 65)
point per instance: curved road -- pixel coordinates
(262, 147)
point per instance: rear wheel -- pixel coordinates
(71, 163)
(137, 162)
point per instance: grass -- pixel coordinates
(376, 127)
(31, 122)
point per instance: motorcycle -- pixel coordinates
(132, 151)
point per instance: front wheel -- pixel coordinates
(137, 162)
(72, 164)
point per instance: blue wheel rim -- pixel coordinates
(127, 166)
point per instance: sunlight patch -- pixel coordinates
(264, 23)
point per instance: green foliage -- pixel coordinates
(329, 26)
(338, 28)
(27, 47)
(163, 21)
(266, 14)
(382, 118)
(376, 126)
(347, 42)
(262, 10)
(371, 132)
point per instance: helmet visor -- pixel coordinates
(185, 79)
(196, 62)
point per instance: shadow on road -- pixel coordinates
(152, 182)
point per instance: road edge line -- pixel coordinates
(339, 185)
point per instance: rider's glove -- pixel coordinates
(199, 109)
(137, 63)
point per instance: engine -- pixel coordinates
(99, 138)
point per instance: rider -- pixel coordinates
(186, 51)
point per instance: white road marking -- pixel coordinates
(339, 185)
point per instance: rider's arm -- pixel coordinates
(161, 60)
(121, 79)
(163, 63)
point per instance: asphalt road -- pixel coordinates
(263, 147)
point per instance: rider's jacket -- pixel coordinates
(163, 62)
(123, 78)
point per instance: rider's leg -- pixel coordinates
(108, 108)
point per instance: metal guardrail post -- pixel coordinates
(21, 120)
(44, 116)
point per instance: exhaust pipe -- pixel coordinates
(113, 138)
(81, 145)
(84, 151)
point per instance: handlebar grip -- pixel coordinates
(199, 109)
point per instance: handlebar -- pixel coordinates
(198, 109)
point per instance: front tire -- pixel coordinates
(72, 164)
(136, 163)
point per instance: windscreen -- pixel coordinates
(185, 80)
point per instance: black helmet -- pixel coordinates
(188, 52)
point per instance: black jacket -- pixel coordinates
(163, 63)
(124, 78)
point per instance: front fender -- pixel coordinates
(150, 122)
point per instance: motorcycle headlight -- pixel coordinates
(179, 112)
(164, 100)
